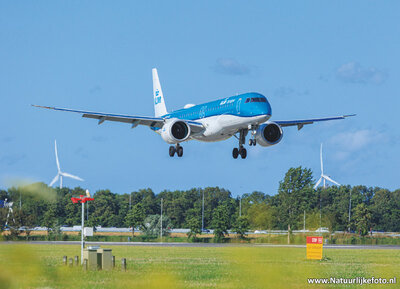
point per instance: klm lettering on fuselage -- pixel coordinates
(226, 101)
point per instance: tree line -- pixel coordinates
(371, 207)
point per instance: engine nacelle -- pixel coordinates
(269, 134)
(175, 131)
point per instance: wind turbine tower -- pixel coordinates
(61, 174)
(324, 177)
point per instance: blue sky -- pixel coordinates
(310, 58)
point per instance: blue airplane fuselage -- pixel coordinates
(244, 105)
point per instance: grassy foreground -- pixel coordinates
(39, 266)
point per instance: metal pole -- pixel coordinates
(83, 223)
(87, 212)
(304, 225)
(161, 220)
(123, 264)
(240, 206)
(320, 210)
(130, 201)
(349, 210)
(202, 214)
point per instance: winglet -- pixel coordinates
(349, 115)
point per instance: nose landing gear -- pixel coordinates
(252, 142)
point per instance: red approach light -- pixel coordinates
(81, 199)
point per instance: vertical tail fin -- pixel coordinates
(159, 104)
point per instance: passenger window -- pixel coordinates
(247, 100)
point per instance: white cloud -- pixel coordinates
(231, 66)
(353, 72)
(286, 91)
(348, 143)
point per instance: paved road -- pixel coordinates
(156, 244)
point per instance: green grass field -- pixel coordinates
(40, 266)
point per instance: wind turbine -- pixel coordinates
(323, 176)
(61, 174)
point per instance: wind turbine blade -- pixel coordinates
(54, 180)
(332, 181)
(71, 176)
(322, 164)
(317, 184)
(58, 163)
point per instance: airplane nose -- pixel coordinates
(267, 109)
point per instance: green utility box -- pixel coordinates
(91, 255)
(104, 259)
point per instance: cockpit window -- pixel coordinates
(256, 99)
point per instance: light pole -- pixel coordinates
(82, 199)
(240, 206)
(161, 220)
(349, 210)
(82, 226)
(202, 214)
(320, 209)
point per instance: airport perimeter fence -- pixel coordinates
(299, 239)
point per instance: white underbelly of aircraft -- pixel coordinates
(222, 127)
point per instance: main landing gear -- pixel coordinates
(242, 139)
(176, 149)
(241, 150)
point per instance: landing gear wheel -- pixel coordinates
(252, 142)
(171, 151)
(179, 151)
(243, 153)
(235, 153)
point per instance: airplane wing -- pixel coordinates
(301, 122)
(154, 122)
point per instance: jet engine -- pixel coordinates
(268, 134)
(175, 131)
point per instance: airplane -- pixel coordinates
(209, 122)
